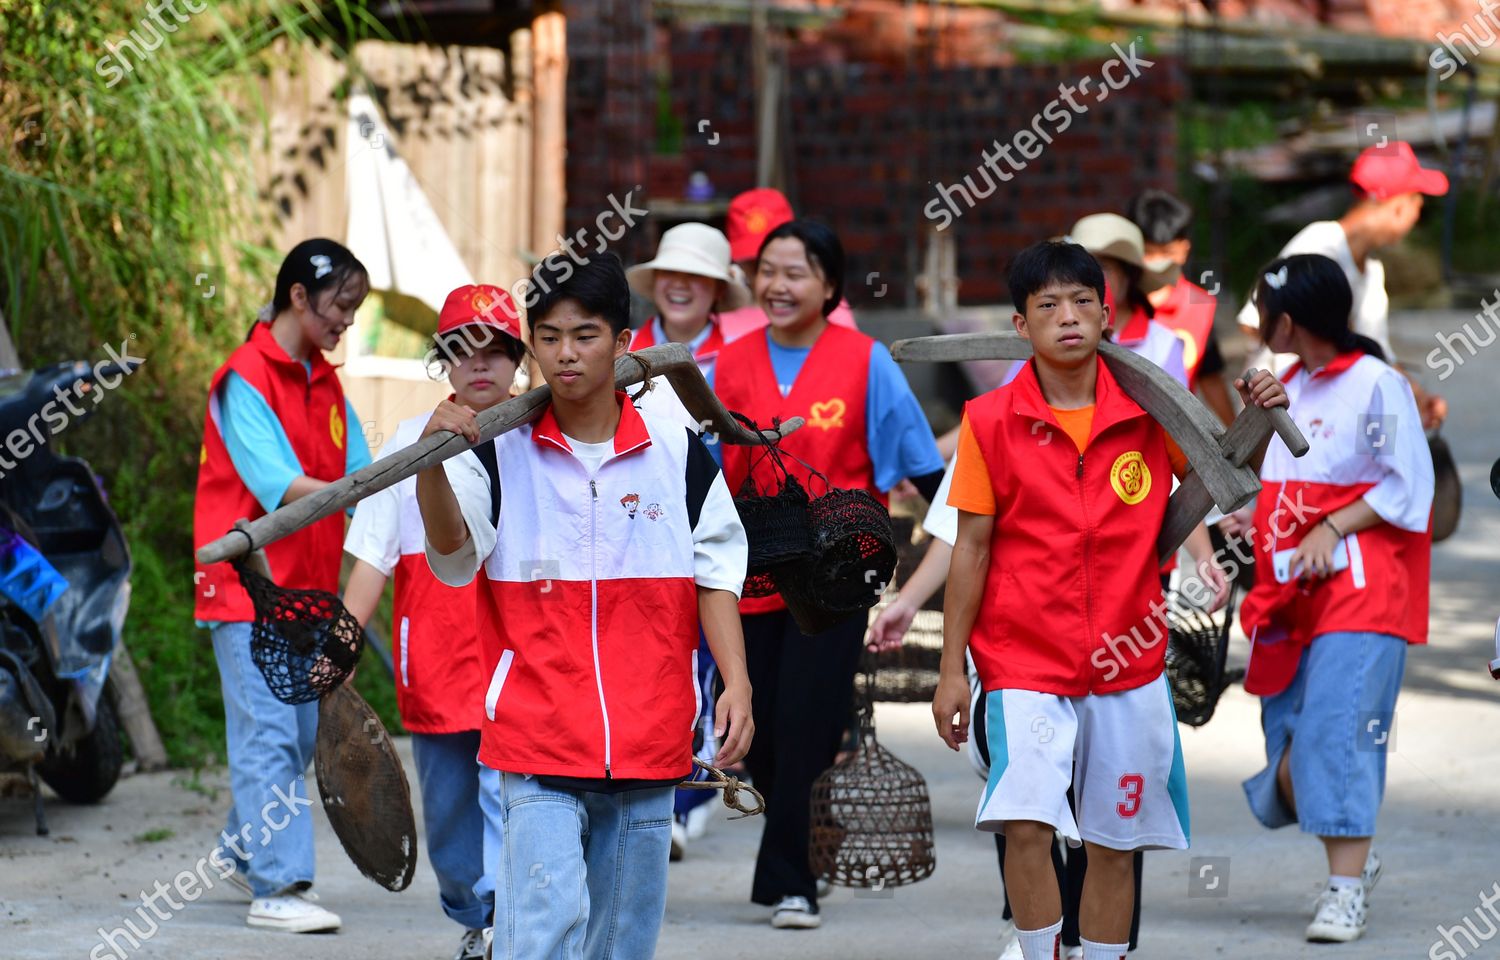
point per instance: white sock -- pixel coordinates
(1103, 951)
(1339, 883)
(1041, 944)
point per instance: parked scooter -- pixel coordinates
(64, 593)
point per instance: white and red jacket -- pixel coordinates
(439, 674)
(588, 607)
(1366, 441)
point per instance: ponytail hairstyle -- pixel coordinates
(318, 264)
(1312, 290)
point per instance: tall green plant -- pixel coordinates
(128, 207)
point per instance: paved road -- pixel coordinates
(1440, 829)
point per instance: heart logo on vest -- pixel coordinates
(1130, 477)
(1189, 348)
(336, 426)
(828, 414)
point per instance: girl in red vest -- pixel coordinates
(1343, 545)
(865, 430)
(277, 428)
(440, 674)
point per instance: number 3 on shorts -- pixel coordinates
(1132, 784)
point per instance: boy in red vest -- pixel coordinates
(588, 616)
(1076, 694)
(439, 673)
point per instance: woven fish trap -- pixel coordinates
(304, 641)
(871, 817)
(1197, 649)
(909, 673)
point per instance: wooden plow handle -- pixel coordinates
(1218, 459)
(671, 360)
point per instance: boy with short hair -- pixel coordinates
(589, 615)
(1054, 579)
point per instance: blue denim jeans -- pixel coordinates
(580, 876)
(269, 835)
(455, 815)
(1337, 719)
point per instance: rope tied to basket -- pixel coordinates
(731, 785)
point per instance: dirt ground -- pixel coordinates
(1439, 836)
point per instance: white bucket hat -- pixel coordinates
(1111, 235)
(698, 249)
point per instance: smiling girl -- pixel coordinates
(865, 431)
(277, 428)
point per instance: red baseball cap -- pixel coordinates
(752, 215)
(482, 304)
(1393, 170)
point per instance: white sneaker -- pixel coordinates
(471, 947)
(698, 819)
(1012, 950)
(1370, 875)
(1075, 953)
(1340, 916)
(291, 913)
(795, 913)
(679, 841)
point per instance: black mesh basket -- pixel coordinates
(871, 817)
(776, 525)
(304, 641)
(855, 547)
(1197, 649)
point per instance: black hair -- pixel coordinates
(1137, 298)
(824, 251)
(1049, 262)
(1162, 217)
(598, 285)
(1313, 290)
(318, 264)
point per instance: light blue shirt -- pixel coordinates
(259, 448)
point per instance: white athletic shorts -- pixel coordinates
(1119, 751)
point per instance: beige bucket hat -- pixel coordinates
(1111, 235)
(698, 249)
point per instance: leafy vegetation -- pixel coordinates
(128, 207)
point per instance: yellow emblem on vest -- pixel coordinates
(202, 454)
(336, 426)
(828, 414)
(1130, 477)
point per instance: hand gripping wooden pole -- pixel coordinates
(671, 360)
(1218, 459)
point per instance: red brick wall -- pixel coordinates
(868, 141)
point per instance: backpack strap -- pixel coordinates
(486, 454)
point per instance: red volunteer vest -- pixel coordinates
(1072, 601)
(438, 665)
(829, 394)
(312, 412)
(709, 349)
(1189, 313)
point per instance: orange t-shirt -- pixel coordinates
(973, 492)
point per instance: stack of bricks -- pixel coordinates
(866, 145)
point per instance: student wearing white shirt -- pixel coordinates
(1389, 186)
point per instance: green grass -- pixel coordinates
(155, 836)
